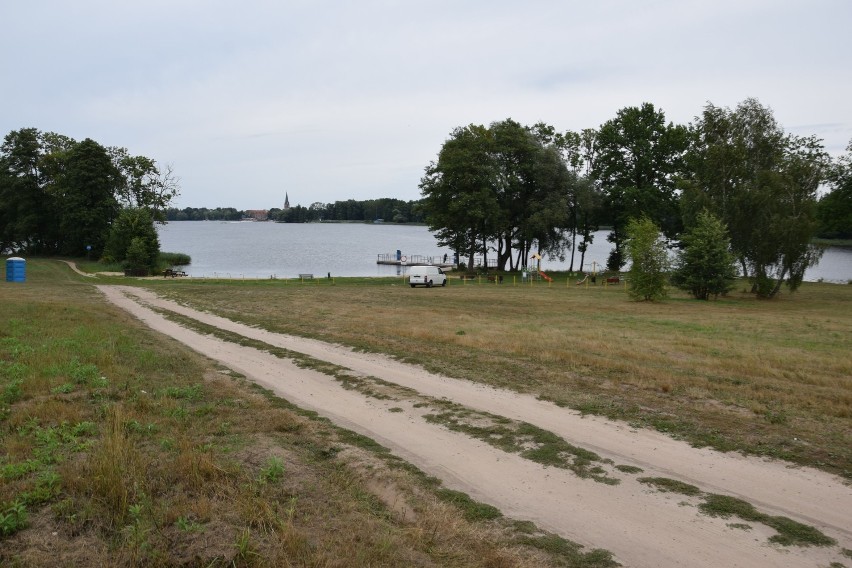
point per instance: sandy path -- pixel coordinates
(640, 526)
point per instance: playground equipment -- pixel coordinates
(537, 257)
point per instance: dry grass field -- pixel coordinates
(770, 378)
(119, 447)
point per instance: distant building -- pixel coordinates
(286, 201)
(257, 214)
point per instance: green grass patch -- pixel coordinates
(13, 518)
(790, 532)
(569, 552)
(528, 441)
(671, 485)
(473, 510)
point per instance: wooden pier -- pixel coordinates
(414, 260)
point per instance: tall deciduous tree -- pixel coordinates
(506, 184)
(28, 217)
(763, 185)
(144, 183)
(835, 209)
(61, 196)
(458, 191)
(638, 159)
(85, 193)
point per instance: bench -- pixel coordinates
(306, 276)
(613, 280)
(172, 273)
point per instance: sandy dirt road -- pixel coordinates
(641, 526)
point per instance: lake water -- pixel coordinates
(222, 249)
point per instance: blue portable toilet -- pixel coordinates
(16, 269)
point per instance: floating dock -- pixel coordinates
(399, 259)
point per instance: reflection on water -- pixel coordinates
(285, 250)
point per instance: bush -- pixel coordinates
(134, 228)
(649, 259)
(705, 266)
(138, 255)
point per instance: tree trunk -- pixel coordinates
(778, 283)
(573, 248)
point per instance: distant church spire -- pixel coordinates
(286, 201)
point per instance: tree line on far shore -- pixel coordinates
(386, 209)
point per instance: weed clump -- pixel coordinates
(790, 532)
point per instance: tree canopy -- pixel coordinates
(505, 184)
(762, 183)
(638, 160)
(511, 189)
(60, 196)
(834, 210)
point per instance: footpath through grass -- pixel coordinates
(123, 448)
(770, 378)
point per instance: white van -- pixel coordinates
(426, 276)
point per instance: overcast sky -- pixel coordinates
(332, 100)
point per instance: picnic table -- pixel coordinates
(172, 273)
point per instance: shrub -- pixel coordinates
(649, 259)
(133, 240)
(706, 266)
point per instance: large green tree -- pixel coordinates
(533, 187)
(85, 192)
(835, 208)
(577, 151)
(505, 184)
(144, 183)
(61, 196)
(638, 158)
(458, 192)
(27, 212)
(762, 183)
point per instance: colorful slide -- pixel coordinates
(545, 276)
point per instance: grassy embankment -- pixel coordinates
(771, 378)
(120, 447)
